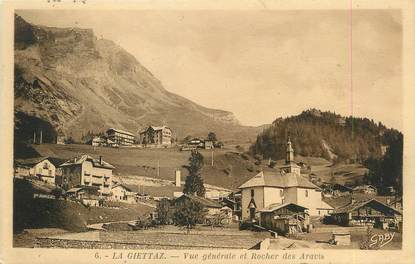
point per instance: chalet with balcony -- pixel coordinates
(86, 170)
(42, 168)
(370, 212)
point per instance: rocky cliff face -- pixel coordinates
(79, 83)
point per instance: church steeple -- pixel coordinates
(289, 153)
(290, 166)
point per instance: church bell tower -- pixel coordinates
(290, 166)
(289, 152)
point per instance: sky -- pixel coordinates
(261, 64)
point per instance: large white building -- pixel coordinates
(153, 135)
(85, 170)
(120, 137)
(281, 186)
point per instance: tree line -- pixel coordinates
(351, 139)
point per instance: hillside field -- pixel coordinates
(230, 168)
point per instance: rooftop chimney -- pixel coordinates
(178, 176)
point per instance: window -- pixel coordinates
(306, 193)
(252, 193)
(45, 165)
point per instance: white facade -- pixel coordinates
(43, 169)
(96, 176)
(121, 194)
(281, 186)
(264, 196)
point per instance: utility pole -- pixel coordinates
(212, 157)
(158, 168)
(34, 136)
(40, 137)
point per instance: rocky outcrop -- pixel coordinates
(80, 83)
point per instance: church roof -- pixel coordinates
(279, 179)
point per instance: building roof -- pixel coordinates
(341, 201)
(273, 207)
(357, 204)
(159, 127)
(341, 186)
(276, 178)
(30, 162)
(159, 191)
(81, 159)
(33, 161)
(56, 161)
(204, 201)
(155, 128)
(363, 187)
(74, 190)
(121, 131)
(122, 185)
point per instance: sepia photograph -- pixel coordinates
(208, 129)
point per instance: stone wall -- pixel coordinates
(84, 244)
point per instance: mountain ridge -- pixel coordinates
(79, 83)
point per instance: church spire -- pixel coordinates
(290, 152)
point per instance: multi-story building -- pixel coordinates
(85, 170)
(156, 136)
(281, 186)
(120, 137)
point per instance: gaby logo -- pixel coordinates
(380, 240)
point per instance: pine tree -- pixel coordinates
(194, 181)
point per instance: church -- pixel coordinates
(282, 185)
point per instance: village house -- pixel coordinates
(285, 219)
(280, 186)
(60, 139)
(212, 206)
(156, 136)
(337, 189)
(196, 142)
(87, 195)
(85, 170)
(43, 168)
(98, 141)
(370, 212)
(120, 137)
(233, 201)
(122, 193)
(366, 189)
(396, 203)
(208, 144)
